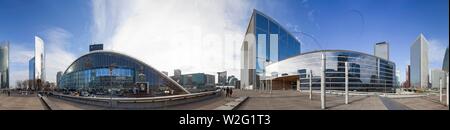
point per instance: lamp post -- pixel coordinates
(310, 84)
(111, 67)
(346, 82)
(440, 89)
(447, 88)
(322, 83)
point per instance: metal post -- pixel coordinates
(346, 82)
(310, 85)
(447, 88)
(322, 83)
(440, 89)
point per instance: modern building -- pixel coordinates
(222, 78)
(266, 42)
(382, 50)
(419, 63)
(198, 82)
(95, 47)
(4, 65)
(58, 77)
(232, 80)
(176, 75)
(39, 59)
(436, 76)
(366, 72)
(31, 73)
(407, 83)
(107, 71)
(397, 78)
(445, 63)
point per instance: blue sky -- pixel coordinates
(134, 27)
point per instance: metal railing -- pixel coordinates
(139, 103)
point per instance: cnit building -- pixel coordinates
(271, 58)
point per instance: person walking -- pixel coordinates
(231, 92)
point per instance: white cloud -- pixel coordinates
(21, 54)
(19, 57)
(436, 52)
(194, 35)
(58, 57)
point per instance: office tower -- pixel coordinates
(222, 78)
(4, 65)
(419, 63)
(58, 77)
(382, 50)
(39, 59)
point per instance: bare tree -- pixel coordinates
(19, 84)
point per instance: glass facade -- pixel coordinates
(39, 59)
(4, 65)
(266, 42)
(92, 72)
(273, 43)
(366, 72)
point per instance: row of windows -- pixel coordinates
(92, 71)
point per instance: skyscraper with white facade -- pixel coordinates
(419, 62)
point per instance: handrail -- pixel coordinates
(183, 96)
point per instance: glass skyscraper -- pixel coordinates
(39, 59)
(4, 65)
(266, 42)
(419, 63)
(31, 73)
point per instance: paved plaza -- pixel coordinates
(257, 100)
(20, 102)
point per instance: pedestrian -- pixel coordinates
(231, 92)
(227, 92)
(9, 93)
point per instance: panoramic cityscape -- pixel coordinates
(224, 55)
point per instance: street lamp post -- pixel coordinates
(310, 85)
(346, 82)
(440, 89)
(447, 88)
(111, 67)
(322, 83)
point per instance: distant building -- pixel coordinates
(419, 63)
(165, 73)
(58, 77)
(222, 78)
(31, 73)
(232, 80)
(176, 75)
(382, 50)
(4, 65)
(95, 47)
(197, 82)
(397, 78)
(407, 83)
(436, 75)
